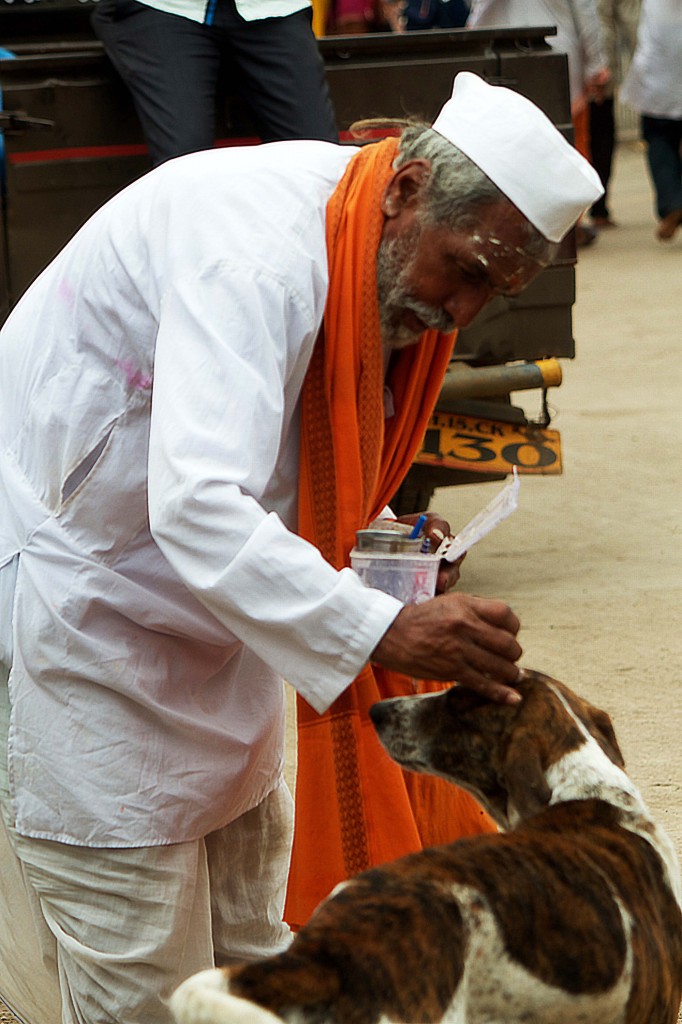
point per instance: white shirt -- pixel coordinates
(653, 84)
(157, 602)
(577, 23)
(250, 10)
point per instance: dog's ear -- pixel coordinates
(601, 728)
(522, 774)
(597, 723)
(524, 760)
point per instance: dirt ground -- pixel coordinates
(592, 560)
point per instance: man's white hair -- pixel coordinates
(457, 187)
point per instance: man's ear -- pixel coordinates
(404, 187)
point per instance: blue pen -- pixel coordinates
(418, 527)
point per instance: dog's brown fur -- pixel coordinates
(570, 916)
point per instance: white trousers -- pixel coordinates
(103, 936)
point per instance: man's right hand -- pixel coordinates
(469, 640)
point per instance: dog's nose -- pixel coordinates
(377, 712)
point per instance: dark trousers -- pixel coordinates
(664, 139)
(174, 68)
(602, 143)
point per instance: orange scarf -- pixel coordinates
(354, 806)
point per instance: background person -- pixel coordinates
(653, 87)
(193, 424)
(618, 21)
(175, 56)
(579, 37)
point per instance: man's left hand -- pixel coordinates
(436, 529)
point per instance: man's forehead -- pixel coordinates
(505, 260)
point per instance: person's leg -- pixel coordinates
(602, 142)
(663, 138)
(129, 925)
(170, 64)
(29, 982)
(126, 926)
(248, 863)
(280, 74)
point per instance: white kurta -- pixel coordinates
(149, 382)
(653, 84)
(578, 30)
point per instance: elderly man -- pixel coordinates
(194, 421)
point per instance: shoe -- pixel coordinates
(603, 222)
(584, 236)
(669, 225)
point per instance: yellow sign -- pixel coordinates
(489, 446)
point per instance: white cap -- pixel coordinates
(521, 151)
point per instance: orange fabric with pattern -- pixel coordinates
(354, 806)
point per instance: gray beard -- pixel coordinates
(394, 262)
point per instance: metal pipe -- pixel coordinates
(464, 381)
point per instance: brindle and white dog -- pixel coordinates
(572, 915)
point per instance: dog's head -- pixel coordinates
(500, 753)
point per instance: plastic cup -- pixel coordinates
(411, 577)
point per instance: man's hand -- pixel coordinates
(436, 529)
(448, 574)
(469, 640)
(596, 86)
